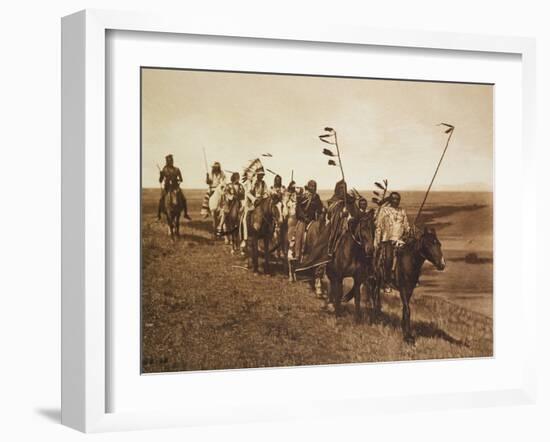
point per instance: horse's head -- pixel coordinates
(430, 248)
(364, 234)
(267, 211)
(276, 208)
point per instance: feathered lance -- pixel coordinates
(450, 129)
(205, 161)
(160, 171)
(325, 138)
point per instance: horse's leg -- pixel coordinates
(330, 290)
(234, 240)
(178, 225)
(291, 276)
(226, 237)
(378, 296)
(169, 224)
(214, 224)
(254, 253)
(357, 297)
(266, 256)
(318, 284)
(336, 287)
(405, 294)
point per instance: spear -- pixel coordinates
(160, 184)
(450, 129)
(205, 161)
(325, 138)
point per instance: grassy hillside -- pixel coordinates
(202, 310)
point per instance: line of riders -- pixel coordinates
(298, 206)
(294, 210)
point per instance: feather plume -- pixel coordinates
(326, 138)
(328, 152)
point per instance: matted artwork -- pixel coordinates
(294, 220)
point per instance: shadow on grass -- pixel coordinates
(204, 225)
(198, 239)
(421, 329)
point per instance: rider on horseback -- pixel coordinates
(234, 194)
(392, 228)
(309, 207)
(363, 206)
(339, 207)
(234, 191)
(213, 180)
(171, 177)
(278, 188)
(255, 190)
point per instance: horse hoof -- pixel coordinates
(409, 339)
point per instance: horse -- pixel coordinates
(172, 207)
(352, 257)
(262, 222)
(409, 260)
(314, 250)
(232, 224)
(215, 205)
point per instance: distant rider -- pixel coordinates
(170, 176)
(213, 180)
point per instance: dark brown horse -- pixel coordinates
(314, 254)
(352, 258)
(172, 207)
(262, 222)
(409, 261)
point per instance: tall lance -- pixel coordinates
(450, 129)
(325, 138)
(160, 171)
(205, 161)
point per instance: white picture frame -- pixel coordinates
(85, 352)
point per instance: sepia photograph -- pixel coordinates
(299, 220)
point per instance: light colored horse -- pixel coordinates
(215, 204)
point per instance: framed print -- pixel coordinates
(250, 213)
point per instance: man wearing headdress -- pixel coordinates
(255, 189)
(170, 177)
(213, 180)
(308, 208)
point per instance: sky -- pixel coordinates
(386, 128)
